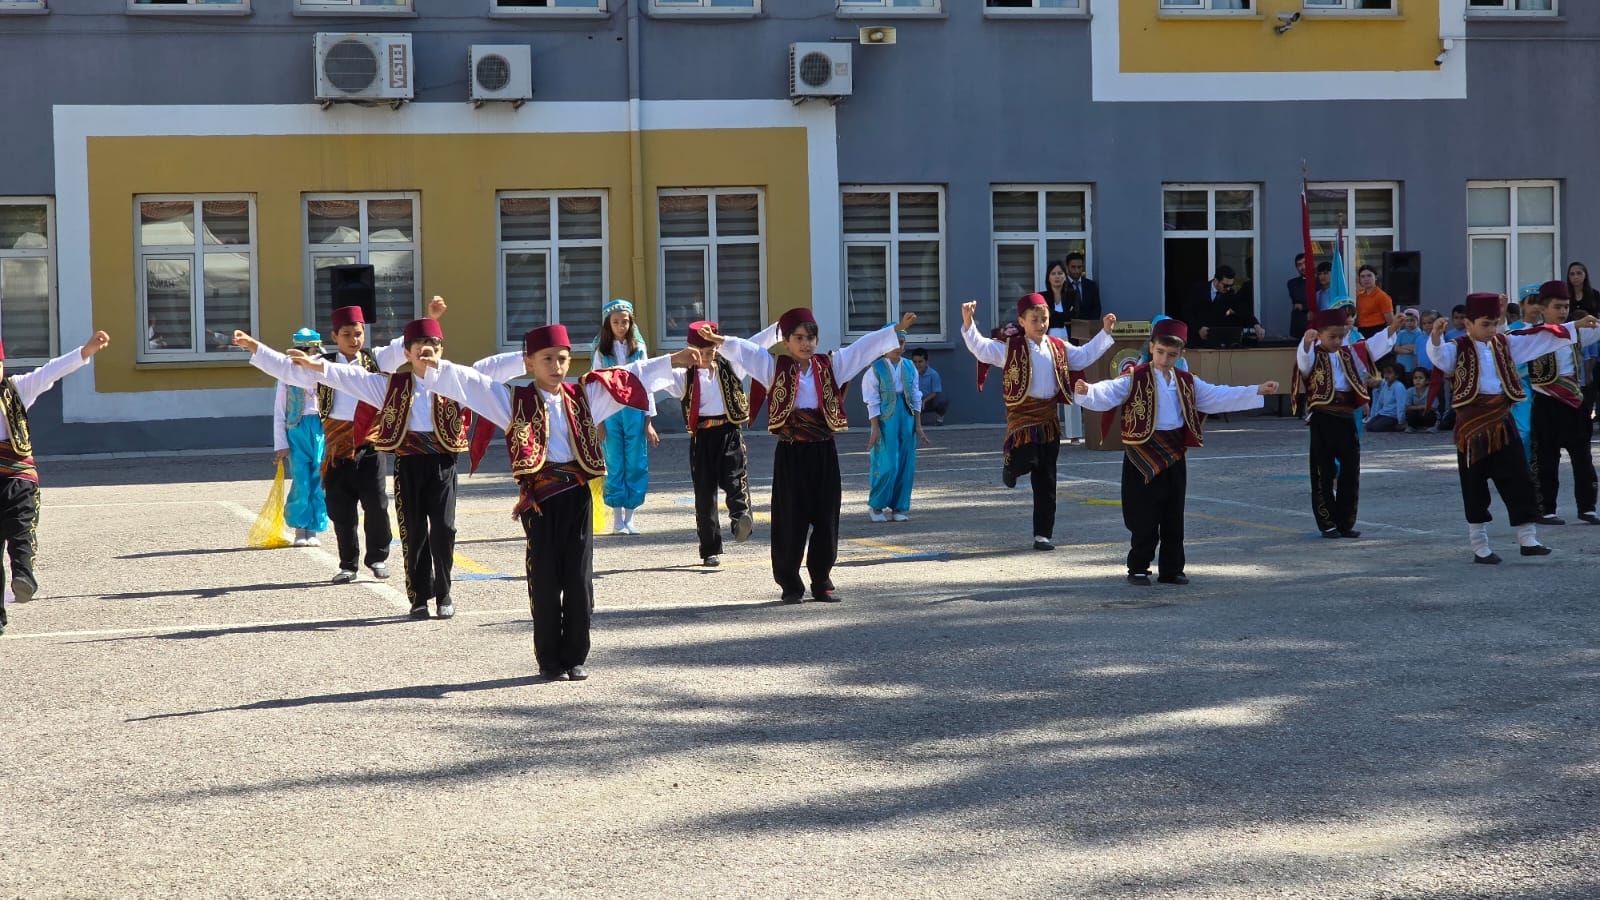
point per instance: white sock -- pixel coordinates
(1527, 535)
(1479, 533)
(618, 519)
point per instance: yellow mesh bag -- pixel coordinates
(267, 532)
(597, 506)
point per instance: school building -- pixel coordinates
(171, 170)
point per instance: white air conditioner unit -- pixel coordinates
(500, 72)
(364, 68)
(819, 70)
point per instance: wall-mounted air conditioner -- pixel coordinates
(364, 68)
(819, 70)
(500, 72)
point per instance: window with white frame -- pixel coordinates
(352, 6)
(379, 230)
(196, 274)
(546, 6)
(1512, 234)
(1353, 6)
(27, 279)
(1035, 227)
(1210, 6)
(894, 258)
(713, 261)
(889, 6)
(705, 6)
(1043, 6)
(189, 6)
(1512, 7)
(552, 263)
(1204, 227)
(1368, 214)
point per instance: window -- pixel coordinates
(1034, 227)
(1511, 7)
(22, 5)
(894, 258)
(555, 7)
(27, 285)
(1044, 6)
(1233, 6)
(197, 274)
(1205, 226)
(713, 261)
(705, 6)
(351, 6)
(1349, 5)
(189, 6)
(1512, 235)
(1366, 211)
(376, 229)
(552, 263)
(892, 7)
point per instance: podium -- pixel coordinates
(1129, 339)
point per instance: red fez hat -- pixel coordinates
(347, 315)
(794, 318)
(695, 340)
(1328, 318)
(1484, 306)
(545, 336)
(1554, 290)
(1029, 301)
(422, 329)
(1170, 328)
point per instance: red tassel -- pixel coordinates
(366, 413)
(481, 433)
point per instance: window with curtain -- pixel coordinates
(894, 258)
(376, 229)
(1368, 213)
(546, 6)
(27, 288)
(1513, 7)
(354, 6)
(196, 275)
(185, 6)
(712, 261)
(1513, 234)
(553, 263)
(1206, 6)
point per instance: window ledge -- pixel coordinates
(186, 11)
(373, 12)
(1346, 15)
(843, 13)
(718, 13)
(1003, 13)
(1211, 15)
(1514, 16)
(23, 11)
(524, 14)
(153, 365)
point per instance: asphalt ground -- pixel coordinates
(1308, 718)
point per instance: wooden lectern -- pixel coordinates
(1130, 338)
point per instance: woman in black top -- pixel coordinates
(1584, 296)
(1063, 303)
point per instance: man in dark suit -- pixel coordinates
(1088, 292)
(1219, 304)
(1297, 297)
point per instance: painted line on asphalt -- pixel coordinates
(1276, 510)
(394, 597)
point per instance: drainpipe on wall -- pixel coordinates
(636, 165)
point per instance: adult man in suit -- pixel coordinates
(1220, 305)
(1297, 296)
(1087, 290)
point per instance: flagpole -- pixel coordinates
(1310, 249)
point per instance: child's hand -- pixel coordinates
(1108, 323)
(906, 321)
(967, 310)
(1080, 387)
(687, 358)
(245, 341)
(314, 363)
(650, 435)
(872, 439)
(436, 307)
(95, 344)
(923, 435)
(280, 456)
(1440, 324)
(710, 334)
(1586, 322)
(1310, 337)
(424, 363)
(1267, 387)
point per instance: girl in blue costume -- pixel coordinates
(297, 437)
(894, 404)
(629, 433)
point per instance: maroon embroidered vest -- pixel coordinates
(1319, 384)
(1018, 372)
(734, 399)
(1467, 375)
(1139, 410)
(394, 418)
(785, 389)
(528, 437)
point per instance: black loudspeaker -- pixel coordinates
(1402, 276)
(354, 286)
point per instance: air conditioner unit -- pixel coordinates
(819, 70)
(500, 72)
(364, 68)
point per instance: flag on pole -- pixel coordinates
(1310, 248)
(1339, 285)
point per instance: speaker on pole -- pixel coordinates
(1402, 276)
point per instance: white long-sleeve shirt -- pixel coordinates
(492, 400)
(754, 362)
(280, 412)
(1378, 346)
(370, 388)
(1524, 347)
(1042, 380)
(31, 385)
(389, 358)
(710, 388)
(869, 389)
(1564, 364)
(1208, 398)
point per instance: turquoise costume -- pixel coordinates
(627, 452)
(1522, 410)
(306, 508)
(894, 457)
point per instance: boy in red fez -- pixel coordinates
(555, 452)
(1163, 410)
(352, 470)
(715, 410)
(1037, 374)
(806, 409)
(1559, 421)
(1483, 363)
(1330, 385)
(19, 478)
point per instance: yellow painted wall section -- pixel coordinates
(1152, 41)
(457, 176)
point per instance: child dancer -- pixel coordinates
(1559, 422)
(550, 435)
(19, 478)
(1163, 408)
(806, 408)
(1330, 382)
(894, 403)
(1483, 365)
(630, 432)
(715, 410)
(1036, 377)
(297, 437)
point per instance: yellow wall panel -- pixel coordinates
(1152, 41)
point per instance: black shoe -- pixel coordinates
(447, 609)
(1349, 533)
(1008, 477)
(1139, 579)
(742, 526)
(578, 673)
(1492, 559)
(345, 576)
(379, 570)
(419, 610)
(553, 675)
(1536, 550)
(24, 588)
(1549, 519)
(712, 561)
(1589, 518)
(1173, 579)
(794, 596)
(825, 594)
(1331, 533)
(1040, 543)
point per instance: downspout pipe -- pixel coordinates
(636, 169)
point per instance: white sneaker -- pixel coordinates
(619, 520)
(299, 537)
(877, 515)
(628, 522)
(901, 517)
(312, 540)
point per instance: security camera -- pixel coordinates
(1439, 60)
(1286, 21)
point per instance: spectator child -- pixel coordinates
(1419, 416)
(934, 401)
(1388, 402)
(1406, 341)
